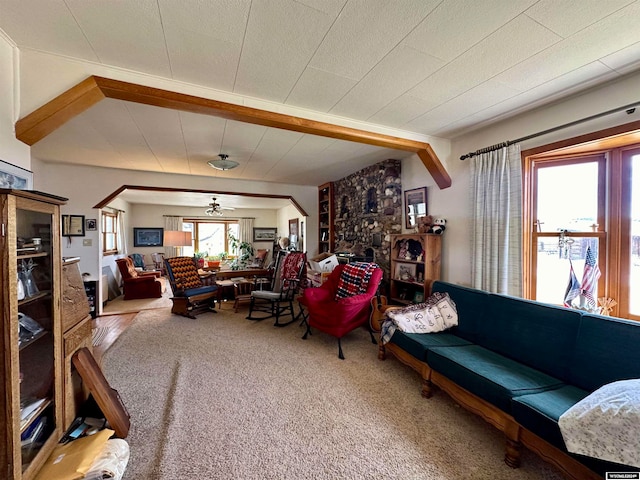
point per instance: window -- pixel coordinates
(211, 237)
(575, 201)
(109, 233)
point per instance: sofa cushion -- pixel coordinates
(489, 375)
(470, 305)
(197, 291)
(417, 344)
(539, 335)
(596, 362)
(539, 412)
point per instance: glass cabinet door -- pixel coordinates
(36, 328)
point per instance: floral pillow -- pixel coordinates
(438, 313)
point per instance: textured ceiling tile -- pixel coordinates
(614, 33)
(124, 34)
(573, 82)
(625, 60)
(456, 25)
(203, 60)
(319, 90)
(281, 38)
(401, 111)
(330, 7)
(397, 72)
(485, 95)
(365, 32)
(160, 128)
(565, 19)
(511, 44)
(29, 24)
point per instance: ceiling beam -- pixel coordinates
(57, 112)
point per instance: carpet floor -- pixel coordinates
(222, 397)
(119, 305)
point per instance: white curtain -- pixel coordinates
(496, 196)
(172, 224)
(245, 230)
(122, 238)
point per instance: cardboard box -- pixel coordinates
(324, 262)
(317, 278)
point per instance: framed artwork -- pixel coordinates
(293, 227)
(91, 224)
(418, 297)
(264, 234)
(73, 225)
(405, 271)
(12, 176)
(147, 237)
(415, 206)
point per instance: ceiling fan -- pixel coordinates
(215, 209)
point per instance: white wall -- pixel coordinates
(11, 150)
(289, 213)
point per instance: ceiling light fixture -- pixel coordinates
(215, 209)
(223, 163)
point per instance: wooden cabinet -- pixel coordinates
(415, 263)
(31, 410)
(326, 218)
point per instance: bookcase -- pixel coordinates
(31, 410)
(415, 263)
(326, 240)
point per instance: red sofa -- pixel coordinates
(138, 284)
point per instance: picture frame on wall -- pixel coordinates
(14, 177)
(91, 224)
(415, 206)
(73, 225)
(148, 237)
(265, 234)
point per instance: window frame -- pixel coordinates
(615, 145)
(196, 231)
(105, 232)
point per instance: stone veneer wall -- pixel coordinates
(368, 207)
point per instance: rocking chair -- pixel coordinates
(190, 294)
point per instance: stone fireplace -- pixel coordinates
(368, 210)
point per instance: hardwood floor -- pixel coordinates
(117, 324)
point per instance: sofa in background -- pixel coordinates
(520, 365)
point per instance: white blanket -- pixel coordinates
(605, 424)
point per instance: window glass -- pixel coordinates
(567, 197)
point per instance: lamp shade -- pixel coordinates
(176, 238)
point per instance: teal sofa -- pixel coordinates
(521, 364)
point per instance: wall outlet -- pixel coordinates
(87, 242)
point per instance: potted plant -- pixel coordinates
(245, 252)
(200, 256)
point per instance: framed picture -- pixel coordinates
(147, 237)
(73, 225)
(91, 224)
(293, 227)
(264, 234)
(405, 271)
(12, 176)
(418, 297)
(415, 202)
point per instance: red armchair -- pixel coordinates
(339, 317)
(138, 284)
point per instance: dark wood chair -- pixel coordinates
(190, 294)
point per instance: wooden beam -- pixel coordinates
(52, 115)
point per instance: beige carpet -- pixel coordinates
(222, 397)
(119, 306)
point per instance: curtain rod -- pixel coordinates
(628, 108)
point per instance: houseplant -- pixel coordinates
(245, 252)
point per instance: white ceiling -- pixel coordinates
(433, 67)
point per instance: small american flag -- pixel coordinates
(590, 278)
(573, 288)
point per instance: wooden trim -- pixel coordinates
(74, 101)
(104, 202)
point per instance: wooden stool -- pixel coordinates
(242, 292)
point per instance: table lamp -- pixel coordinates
(177, 239)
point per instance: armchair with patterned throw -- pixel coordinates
(138, 284)
(342, 302)
(190, 295)
(277, 301)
